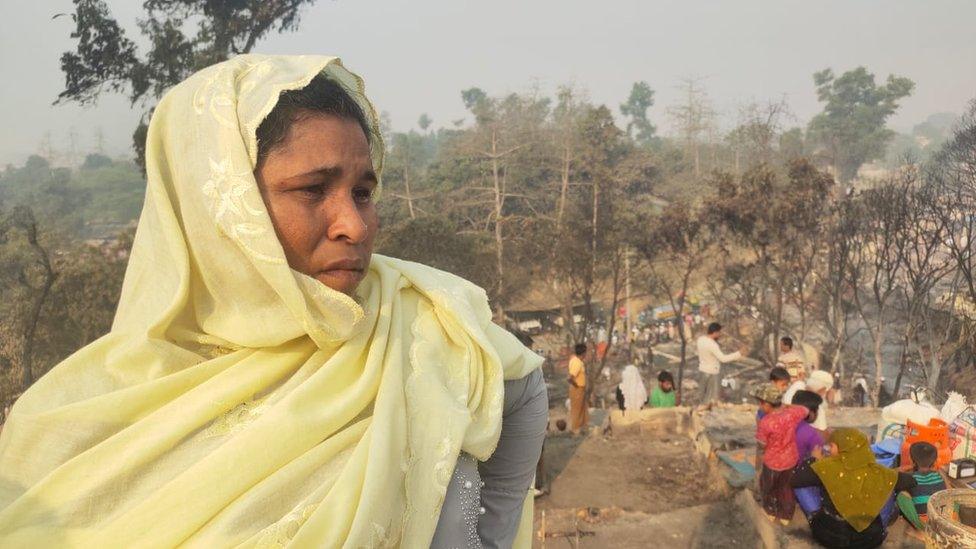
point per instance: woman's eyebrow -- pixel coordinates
(329, 172)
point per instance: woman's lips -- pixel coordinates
(343, 274)
(346, 275)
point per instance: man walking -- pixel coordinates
(710, 359)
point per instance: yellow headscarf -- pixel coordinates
(858, 486)
(237, 402)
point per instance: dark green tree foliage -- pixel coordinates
(96, 161)
(434, 240)
(478, 103)
(635, 109)
(851, 127)
(106, 59)
(424, 122)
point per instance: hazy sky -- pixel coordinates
(417, 55)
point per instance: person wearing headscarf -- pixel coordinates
(858, 493)
(820, 382)
(268, 381)
(631, 392)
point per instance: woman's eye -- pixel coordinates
(362, 195)
(313, 191)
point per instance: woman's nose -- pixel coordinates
(346, 221)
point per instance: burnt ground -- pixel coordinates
(648, 484)
(633, 473)
(636, 490)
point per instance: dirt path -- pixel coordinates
(708, 526)
(637, 491)
(635, 473)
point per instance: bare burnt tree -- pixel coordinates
(925, 269)
(953, 174)
(838, 269)
(674, 250)
(772, 225)
(694, 119)
(755, 137)
(564, 153)
(615, 173)
(501, 147)
(804, 228)
(880, 259)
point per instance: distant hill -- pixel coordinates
(97, 200)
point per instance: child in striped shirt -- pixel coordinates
(914, 504)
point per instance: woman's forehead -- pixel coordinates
(326, 133)
(322, 143)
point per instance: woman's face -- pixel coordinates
(318, 186)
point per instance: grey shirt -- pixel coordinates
(483, 505)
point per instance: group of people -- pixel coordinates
(848, 499)
(667, 330)
(631, 393)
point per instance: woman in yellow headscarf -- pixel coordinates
(858, 493)
(267, 381)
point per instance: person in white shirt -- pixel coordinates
(710, 359)
(820, 382)
(791, 359)
(796, 385)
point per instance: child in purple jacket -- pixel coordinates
(809, 443)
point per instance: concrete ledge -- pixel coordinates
(764, 529)
(656, 421)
